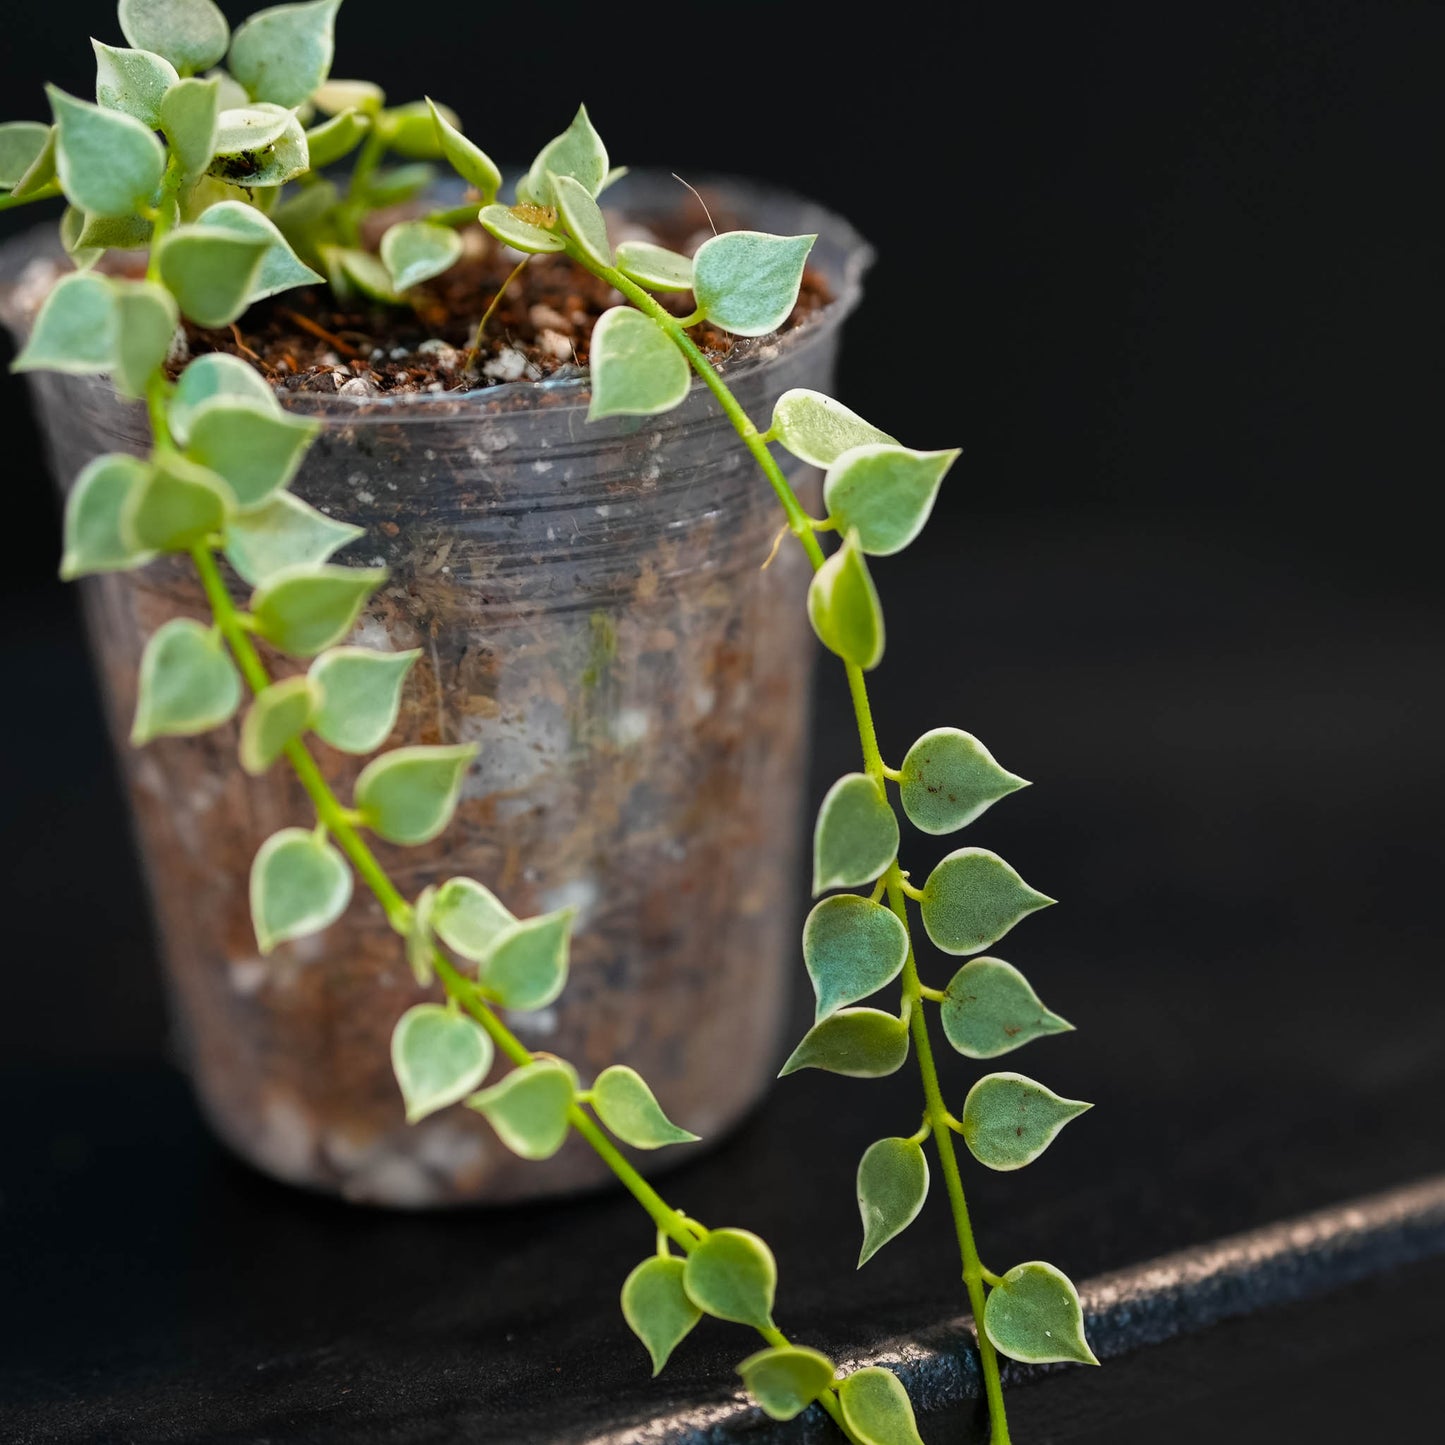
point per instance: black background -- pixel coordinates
(1170, 274)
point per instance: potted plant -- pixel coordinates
(594, 693)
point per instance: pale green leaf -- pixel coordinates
(146, 318)
(395, 185)
(614, 174)
(884, 493)
(336, 96)
(283, 54)
(255, 449)
(75, 330)
(851, 947)
(1035, 1316)
(844, 609)
(877, 1408)
(188, 683)
(655, 267)
(72, 226)
(466, 158)
(191, 34)
(817, 429)
(973, 898)
(469, 918)
(211, 273)
(732, 1275)
(989, 1008)
(300, 884)
(21, 143)
(361, 695)
(511, 230)
(526, 967)
(415, 251)
(583, 218)
(630, 1110)
(93, 510)
(410, 130)
(109, 164)
(636, 370)
(862, 1043)
(329, 142)
(949, 779)
(439, 1056)
(892, 1185)
(250, 129)
(348, 268)
(747, 281)
(281, 268)
(40, 172)
(179, 505)
(786, 1379)
(215, 375)
(1009, 1120)
(578, 152)
(263, 165)
(190, 116)
(657, 1308)
(113, 233)
(420, 942)
(304, 610)
(529, 1108)
(285, 533)
(856, 835)
(132, 81)
(409, 795)
(279, 714)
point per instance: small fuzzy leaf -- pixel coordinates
(583, 218)
(132, 81)
(109, 164)
(630, 1110)
(283, 534)
(93, 510)
(861, 1043)
(72, 228)
(191, 34)
(578, 152)
(851, 947)
(844, 609)
(41, 172)
(113, 233)
(410, 130)
(284, 53)
(361, 695)
(250, 129)
(655, 267)
(328, 142)
(179, 505)
(466, 158)
(335, 96)
(949, 778)
(415, 251)
(526, 967)
(787, 1379)
(253, 447)
(211, 273)
(877, 1408)
(1009, 1120)
(438, 1056)
(420, 945)
(396, 185)
(280, 713)
(408, 795)
(817, 429)
(732, 1275)
(657, 1308)
(21, 144)
(75, 330)
(188, 683)
(747, 281)
(300, 884)
(511, 230)
(856, 836)
(884, 493)
(1035, 1316)
(190, 116)
(349, 267)
(146, 318)
(304, 610)
(529, 1108)
(989, 1008)
(281, 267)
(215, 374)
(469, 918)
(892, 1185)
(636, 370)
(272, 164)
(973, 898)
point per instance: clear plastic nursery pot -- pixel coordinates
(591, 611)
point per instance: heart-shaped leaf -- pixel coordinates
(272, 164)
(328, 142)
(526, 966)
(190, 113)
(439, 1056)
(256, 449)
(654, 267)
(1034, 1316)
(732, 1275)
(466, 158)
(411, 131)
(856, 835)
(529, 1108)
(973, 898)
(786, 1379)
(93, 511)
(630, 1110)
(657, 1308)
(179, 505)
(892, 1185)
(415, 251)
(285, 533)
(41, 171)
(511, 230)
(862, 1043)
(279, 714)
(817, 429)
(877, 1408)
(884, 493)
(209, 376)
(636, 370)
(747, 281)
(304, 610)
(300, 884)
(989, 1008)
(583, 218)
(146, 317)
(211, 273)
(191, 34)
(250, 129)
(188, 683)
(109, 163)
(852, 947)
(75, 330)
(334, 96)
(409, 795)
(844, 609)
(578, 152)
(284, 53)
(21, 144)
(360, 695)
(1009, 1120)
(469, 918)
(281, 268)
(949, 778)
(132, 81)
